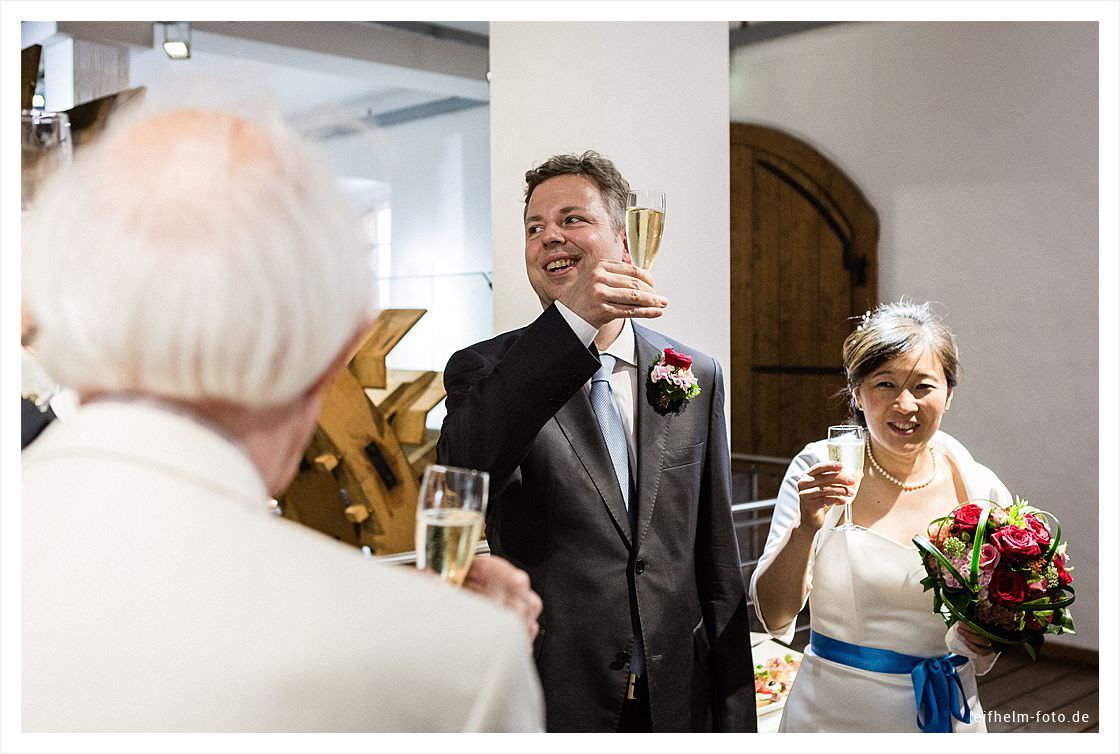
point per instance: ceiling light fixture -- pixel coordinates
(175, 37)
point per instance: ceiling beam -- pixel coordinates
(437, 31)
(351, 40)
(752, 32)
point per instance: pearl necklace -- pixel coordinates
(897, 482)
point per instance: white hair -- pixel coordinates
(195, 255)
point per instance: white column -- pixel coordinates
(653, 97)
(76, 71)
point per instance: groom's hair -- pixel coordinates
(593, 166)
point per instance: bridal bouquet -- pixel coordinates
(1002, 572)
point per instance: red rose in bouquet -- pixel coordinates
(1038, 530)
(1007, 586)
(1063, 575)
(1015, 542)
(1000, 571)
(967, 517)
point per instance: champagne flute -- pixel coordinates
(45, 146)
(846, 447)
(449, 520)
(645, 221)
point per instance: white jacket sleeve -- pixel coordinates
(787, 515)
(510, 699)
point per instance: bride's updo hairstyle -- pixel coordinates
(892, 330)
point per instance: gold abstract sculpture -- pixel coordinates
(358, 480)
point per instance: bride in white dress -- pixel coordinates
(879, 658)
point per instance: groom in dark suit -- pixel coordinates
(618, 508)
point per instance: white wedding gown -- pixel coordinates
(865, 589)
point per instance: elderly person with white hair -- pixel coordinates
(196, 279)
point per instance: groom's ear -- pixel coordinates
(625, 247)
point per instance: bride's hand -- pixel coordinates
(977, 643)
(823, 486)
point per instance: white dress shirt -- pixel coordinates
(624, 379)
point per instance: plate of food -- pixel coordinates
(774, 671)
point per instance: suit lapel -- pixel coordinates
(653, 432)
(578, 423)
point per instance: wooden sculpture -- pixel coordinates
(358, 481)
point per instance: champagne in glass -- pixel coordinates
(846, 447)
(449, 520)
(645, 221)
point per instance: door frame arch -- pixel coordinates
(841, 203)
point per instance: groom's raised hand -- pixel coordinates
(609, 290)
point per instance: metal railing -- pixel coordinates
(752, 522)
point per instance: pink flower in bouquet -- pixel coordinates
(989, 559)
(661, 372)
(1007, 586)
(998, 516)
(1038, 529)
(1015, 542)
(677, 359)
(967, 517)
(963, 564)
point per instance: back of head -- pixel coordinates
(194, 255)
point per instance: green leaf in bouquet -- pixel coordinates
(1048, 601)
(959, 613)
(977, 543)
(1064, 621)
(1034, 606)
(1033, 643)
(928, 547)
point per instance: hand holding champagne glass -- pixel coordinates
(846, 447)
(645, 222)
(449, 520)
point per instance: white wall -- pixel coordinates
(977, 144)
(653, 98)
(436, 173)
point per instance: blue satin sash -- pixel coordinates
(938, 692)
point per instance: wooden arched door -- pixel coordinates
(803, 263)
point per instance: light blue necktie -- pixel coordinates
(614, 434)
(610, 424)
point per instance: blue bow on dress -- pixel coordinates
(938, 692)
(936, 689)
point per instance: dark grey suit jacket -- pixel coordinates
(515, 408)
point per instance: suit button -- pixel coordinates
(621, 661)
(639, 566)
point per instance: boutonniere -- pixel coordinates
(671, 383)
